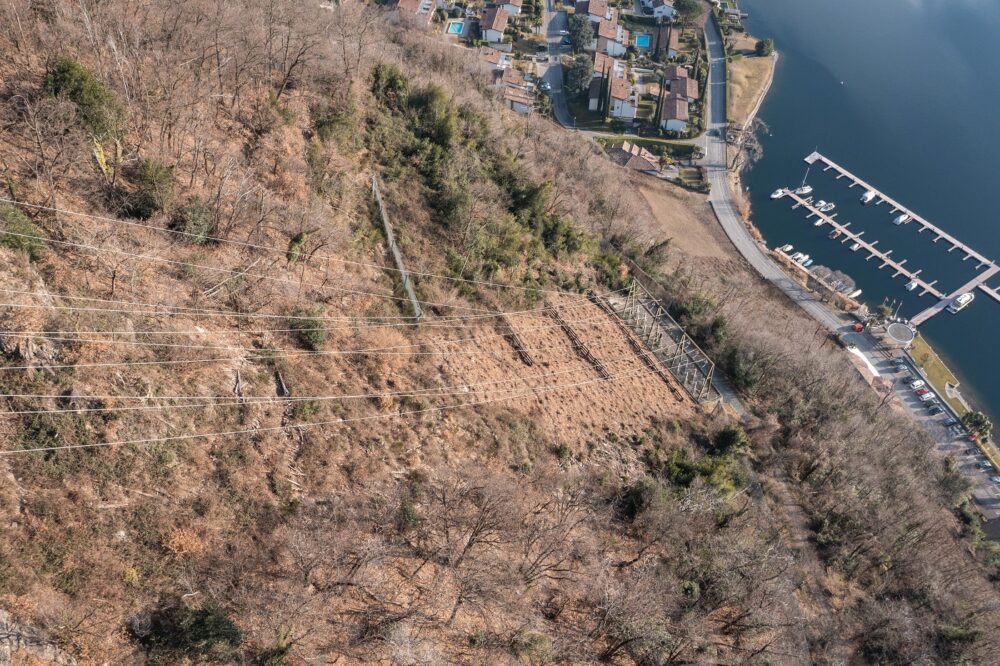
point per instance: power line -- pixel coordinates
(382, 351)
(192, 311)
(237, 273)
(267, 248)
(192, 436)
(237, 401)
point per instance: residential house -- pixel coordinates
(679, 82)
(512, 7)
(632, 156)
(514, 78)
(674, 113)
(663, 9)
(518, 100)
(611, 38)
(493, 23)
(623, 100)
(605, 65)
(686, 88)
(419, 12)
(494, 60)
(597, 10)
(666, 39)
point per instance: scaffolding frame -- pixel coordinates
(669, 342)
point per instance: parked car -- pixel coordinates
(935, 410)
(545, 86)
(984, 464)
(995, 479)
(950, 422)
(927, 397)
(917, 384)
(923, 391)
(566, 41)
(900, 362)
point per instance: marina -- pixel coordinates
(989, 269)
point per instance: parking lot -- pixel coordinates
(952, 441)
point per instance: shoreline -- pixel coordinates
(950, 393)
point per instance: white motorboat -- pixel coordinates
(807, 263)
(827, 208)
(901, 219)
(961, 302)
(803, 259)
(855, 247)
(778, 193)
(868, 197)
(797, 256)
(834, 235)
(911, 285)
(854, 294)
(786, 248)
(819, 204)
(819, 223)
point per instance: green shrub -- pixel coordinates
(308, 329)
(194, 221)
(176, 628)
(390, 86)
(154, 189)
(99, 110)
(16, 222)
(530, 644)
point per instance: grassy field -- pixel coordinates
(937, 372)
(748, 77)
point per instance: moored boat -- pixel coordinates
(778, 193)
(828, 207)
(868, 197)
(786, 248)
(834, 235)
(911, 285)
(803, 259)
(854, 294)
(807, 263)
(819, 222)
(961, 302)
(901, 219)
(855, 247)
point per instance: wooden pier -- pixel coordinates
(873, 252)
(982, 262)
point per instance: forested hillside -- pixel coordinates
(225, 440)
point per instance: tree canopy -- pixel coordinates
(581, 32)
(764, 47)
(579, 75)
(688, 10)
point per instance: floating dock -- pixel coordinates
(873, 252)
(990, 268)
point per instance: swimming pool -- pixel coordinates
(643, 40)
(455, 27)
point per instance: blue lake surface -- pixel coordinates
(906, 95)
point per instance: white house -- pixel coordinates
(612, 38)
(663, 9)
(674, 114)
(513, 7)
(623, 102)
(492, 24)
(605, 65)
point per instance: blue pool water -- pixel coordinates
(643, 40)
(455, 27)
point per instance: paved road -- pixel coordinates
(552, 23)
(986, 492)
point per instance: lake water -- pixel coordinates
(906, 95)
